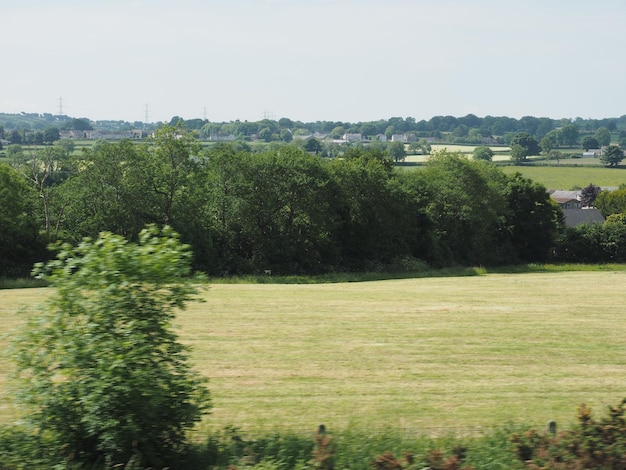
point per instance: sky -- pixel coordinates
(313, 60)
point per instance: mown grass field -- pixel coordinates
(428, 355)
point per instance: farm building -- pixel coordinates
(573, 211)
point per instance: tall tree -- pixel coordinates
(527, 142)
(110, 192)
(569, 134)
(603, 136)
(483, 152)
(173, 158)
(102, 368)
(589, 142)
(396, 151)
(45, 168)
(589, 194)
(20, 243)
(612, 156)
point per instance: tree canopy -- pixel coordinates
(101, 367)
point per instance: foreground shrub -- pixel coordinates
(101, 369)
(592, 444)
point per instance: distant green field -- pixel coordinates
(432, 355)
(566, 177)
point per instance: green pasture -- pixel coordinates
(429, 355)
(569, 177)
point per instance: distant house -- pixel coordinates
(398, 138)
(588, 215)
(566, 199)
(592, 153)
(352, 137)
(573, 211)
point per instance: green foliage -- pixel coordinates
(589, 142)
(529, 145)
(100, 366)
(483, 152)
(396, 151)
(611, 202)
(612, 156)
(593, 243)
(592, 444)
(20, 243)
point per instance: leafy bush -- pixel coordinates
(101, 367)
(592, 444)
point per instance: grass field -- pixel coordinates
(431, 355)
(562, 177)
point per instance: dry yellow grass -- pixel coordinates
(421, 354)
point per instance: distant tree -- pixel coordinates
(79, 125)
(51, 134)
(396, 151)
(286, 135)
(555, 155)
(611, 202)
(603, 136)
(337, 132)
(483, 152)
(313, 145)
(589, 194)
(569, 134)
(589, 142)
(518, 153)
(527, 142)
(15, 137)
(44, 169)
(101, 365)
(67, 145)
(19, 231)
(547, 144)
(265, 134)
(612, 156)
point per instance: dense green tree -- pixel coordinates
(20, 243)
(569, 134)
(611, 202)
(380, 220)
(527, 142)
(15, 137)
(78, 125)
(45, 169)
(555, 155)
(465, 207)
(603, 136)
(547, 144)
(396, 151)
(589, 142)
(265, 134)
(483, 152)
(589, 194)
(518, 153)
(67, 145)
(171, 160)
(110, 192)
(283, 205)
(313, 145)
(612, 156)
(102, 368)
(532, 221)
(51, 135)
(286, 135)
(593, 243)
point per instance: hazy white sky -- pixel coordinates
(310, 60)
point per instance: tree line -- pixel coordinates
(284, 210)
